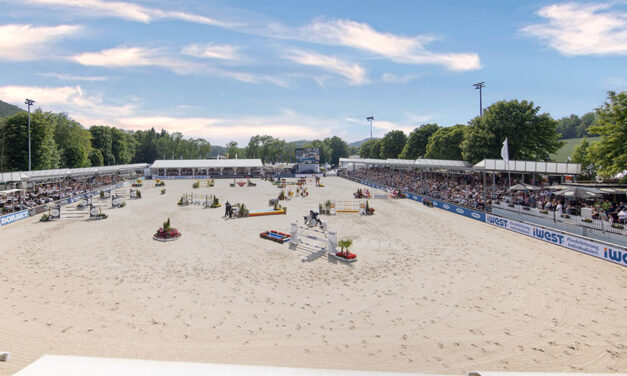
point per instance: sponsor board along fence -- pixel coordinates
(604, 251)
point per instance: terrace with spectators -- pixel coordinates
(29, 189)
(533, 194)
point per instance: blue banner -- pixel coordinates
(13, 217)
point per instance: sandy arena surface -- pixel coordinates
(432, 292)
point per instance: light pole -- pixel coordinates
(479, 86)
(29, 102)
(370, 119)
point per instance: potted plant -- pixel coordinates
(163, 191)
(344, 253)
(45, 218)
(102, 195)
(369, 210)
(100, 215)
(242, 211)
(215, 203)
(166, 233)
(139, 194)
(282, 195)
(196, 184)
(182, 201)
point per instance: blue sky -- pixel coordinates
(227, 70)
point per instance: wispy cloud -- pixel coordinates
(354, 73)
(582, 29)
(384, 126)
(122, 57)
(129, 11)
(405, 50)
(135, 57)
(286, 125)
(27, 42)
(213, 51)
(392, 78)
(70, 99)
(70, 77)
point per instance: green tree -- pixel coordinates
(73, 141)
(531, 136)
(416, 146)
(364, 149)
(583, 156)
(44, 153)
(375, 149)
(103, 141)
(95, 157)
(446, 142)
(123, 145)
(567, 126)
(233, 151)
(337, 148)
(587, 121)
(610, 153)
(392, 144)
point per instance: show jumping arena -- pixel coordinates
(432, 292)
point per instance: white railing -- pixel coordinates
(597, 224)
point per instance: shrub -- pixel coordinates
(163, 191)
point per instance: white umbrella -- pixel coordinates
(579, 192)
(524, 187)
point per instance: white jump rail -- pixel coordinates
(329, 240)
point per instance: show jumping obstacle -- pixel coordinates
(350, 206)
(275, 236)
(328, 243)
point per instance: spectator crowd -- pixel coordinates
(467, 189)
(40, 194)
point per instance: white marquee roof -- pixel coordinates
(68, 172)
(207, 163)
(497, 165)
(557, 168)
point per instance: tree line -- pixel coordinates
(531, 135)
(58, 141)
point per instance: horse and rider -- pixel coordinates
(312, 220)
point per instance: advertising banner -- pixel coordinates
(590, 247)
(13, 217)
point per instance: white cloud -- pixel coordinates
(222, 130)
(71, 99)
(122, 57)
(354, 73)
(381, 127)
(27, 42)
(405, 50)
(133, 57)
(213, 51)
(129, 11)
(70, 77)
(392, 78)
(582, 29)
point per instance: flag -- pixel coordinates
(569, 159)
(505, 152)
